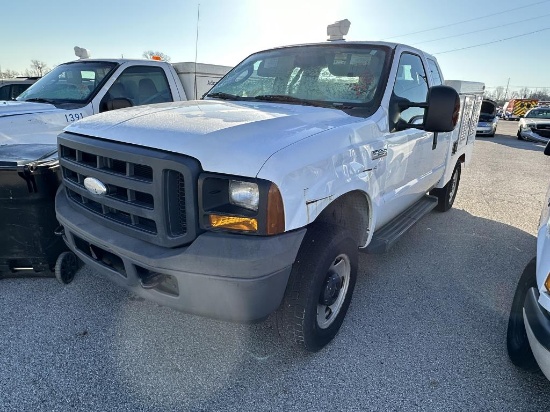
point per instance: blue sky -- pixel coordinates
(229, 30)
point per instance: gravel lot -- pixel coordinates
(425, 331)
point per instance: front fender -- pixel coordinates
(314, 172)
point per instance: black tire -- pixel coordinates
(519, 350)
(446, 195)
(325, 269)
(519, 136)
(66, 267)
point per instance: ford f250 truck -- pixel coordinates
(28, 139)
(257, 198)
(81, 88)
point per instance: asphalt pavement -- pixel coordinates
(426, 330)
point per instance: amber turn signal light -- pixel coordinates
(234, 223)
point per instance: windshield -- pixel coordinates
(71, 82)
(334, 76)
(538, 114)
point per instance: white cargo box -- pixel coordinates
(206, 76)
(465, 87)
(463, 136)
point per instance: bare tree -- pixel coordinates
(524, 92)
(150, 53)
(38, 69)
(498, 94)
(8, 74)
(541, 94)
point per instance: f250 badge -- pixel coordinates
(378, 153)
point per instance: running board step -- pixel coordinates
(383, 239)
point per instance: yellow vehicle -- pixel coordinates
(515, 109)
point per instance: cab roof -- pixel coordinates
(390, 45)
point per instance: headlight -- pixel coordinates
(529, 125)
(244, 194)
(244, 205)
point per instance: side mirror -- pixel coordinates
(547, 149)
(117, 103)
(443, 109)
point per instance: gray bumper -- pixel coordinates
(537, 326)
(530, 135)
(484, 130)
(224, 276)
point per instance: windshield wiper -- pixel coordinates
(288, 99)
(40, 100)
(224, 96)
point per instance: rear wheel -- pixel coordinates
(519, 350)
(320, 287)
(446, 195)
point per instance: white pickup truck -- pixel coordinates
(257, 198)
(81, 88)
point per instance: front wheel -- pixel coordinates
(520, 137)
(519, 350)
(446, 195)
(320, 287)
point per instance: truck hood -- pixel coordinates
(227, 137)
(22, 154)
(30, 123)
(14, 108)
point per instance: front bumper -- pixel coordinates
(537, 326)
(530, 135)
(485, 129)
(223, 276)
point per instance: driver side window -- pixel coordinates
(410, 85)
(140, 85)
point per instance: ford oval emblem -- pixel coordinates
(95, 186)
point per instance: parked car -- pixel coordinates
(535, 125)
(528, 337)
(487, 123)
(11, 88)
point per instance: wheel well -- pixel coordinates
(351, 211)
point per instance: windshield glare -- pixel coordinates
(72, 82)
(538, 114)
(331, 74)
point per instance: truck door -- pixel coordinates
(437, 159)
(407, 148)
(139, 84)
